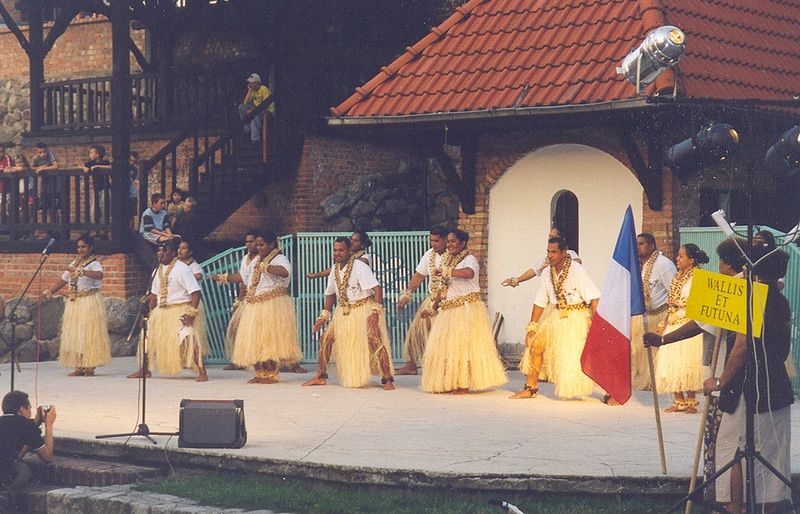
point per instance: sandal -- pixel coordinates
(526, 393)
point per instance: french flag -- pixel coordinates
(606, 356)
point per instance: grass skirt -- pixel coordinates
(230, 331)
(545, 326)
(165, 351)
(355, 361)
(640, 369)
(679, 366)
(84, 333)
(461, 352)
(267, 332)
(414, 345)
(566, 338)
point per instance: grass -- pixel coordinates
(230, 490)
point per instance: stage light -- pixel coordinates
(784, 156)
(711, 145)
(662, 48)
(719, 219)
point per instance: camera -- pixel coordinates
(46, 408)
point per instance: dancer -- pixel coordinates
(657, 274)
(414, 345)
(460, 354)
(359, 323)
(176, 335)
(679, 366)
(267, 333)
(84, 327)
(359, 246)
(573, 293)
(242, 277)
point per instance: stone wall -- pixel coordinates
(38, 325)
(15, 114)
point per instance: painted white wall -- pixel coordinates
(519, 220)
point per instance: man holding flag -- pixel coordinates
(606, 355)
(567, 286)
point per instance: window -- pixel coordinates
(564, 211)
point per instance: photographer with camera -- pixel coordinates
(19, 434)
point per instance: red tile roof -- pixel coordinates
(502, 54)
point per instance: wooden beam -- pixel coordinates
(649, 176)
(140, 58)
(36, 61)
(120, 118)
(464, 187)
(59, 27)
(14, 28)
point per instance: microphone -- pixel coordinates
(49, 244)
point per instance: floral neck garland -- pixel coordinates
(558, 284)
(163, 278)
(449, 263)
(359, 254)
(437, 283)
(676, 288)
(648, 270)
(80, 265)
(342, 282)
(260, 267)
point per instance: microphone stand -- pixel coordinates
(142, 429)
(12, 317)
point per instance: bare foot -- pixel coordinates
(139, 374)
(318, 380)
(232, 367)
(255, 380)
(460, 390)
(389, 385)
(202, 377)
(268, 380)
(77, 373)
(408, 369)
(297, 368)
(608, 400)
(527, 392)
(88, 372)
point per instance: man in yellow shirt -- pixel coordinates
(256, 94)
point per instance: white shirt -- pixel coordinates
(660, 279)
(85, 283)
(462, 286)
(196, 269)
(180, 284)
(368, 258)
(268, 281)
(423, 268)
(542, 264)
(578, 287)
(360, 285)
(246, 268)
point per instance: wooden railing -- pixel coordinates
(86, 103)
(55, 203)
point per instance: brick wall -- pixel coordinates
(124, 275)
(84, 50)
(290, 203)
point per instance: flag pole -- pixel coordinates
(699, 446)
(659, 431)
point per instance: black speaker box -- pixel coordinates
(212, 424)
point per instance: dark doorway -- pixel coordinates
(565, 217)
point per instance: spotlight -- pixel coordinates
(784, 156)
(722, 223)
(662, 48)
(712, 144)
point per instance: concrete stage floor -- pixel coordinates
(476, 434)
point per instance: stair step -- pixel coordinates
(72, 471)
(34, 499)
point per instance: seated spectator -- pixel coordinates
(21, 164)
(176, 203)
(6, 165)
(152, 225)
(43, 160)
(184, 221)
(256, 94)
(20, 434)
(97, 160)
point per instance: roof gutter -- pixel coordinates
(614, 105)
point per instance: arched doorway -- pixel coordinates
(565, 217)
(584, 189)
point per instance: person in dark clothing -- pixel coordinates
(20, 434)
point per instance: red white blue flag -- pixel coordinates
(606, 357)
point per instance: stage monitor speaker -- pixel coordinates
(212, 424)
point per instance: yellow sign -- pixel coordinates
(719, 300)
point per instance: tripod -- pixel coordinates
(142, 429)
(12, 317)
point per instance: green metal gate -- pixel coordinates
(395, 255)
(708, 238)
